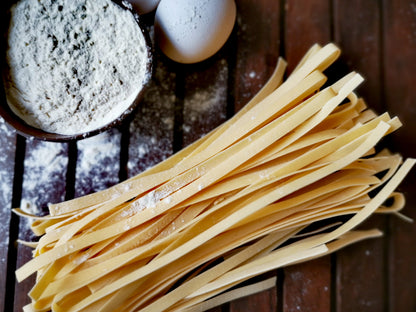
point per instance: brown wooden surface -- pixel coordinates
(356, 267)
(306, 287)
(377, 38)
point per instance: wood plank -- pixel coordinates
(44, 180)
(306, 23)
(360, 269)
(152, 128)
(98, 162)
(8, 142)
(263, 301)
(307, 286)
(205, 97)
(257, 44)
(399, 40)
(360, 45)
(7, 157)
(402, 254)
(360, 274)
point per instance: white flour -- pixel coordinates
(151, 131)
(205, 107)
(98, 162)
(43, 180)
(7, 138)
(6, 154)
(44, 170)
(74, 65)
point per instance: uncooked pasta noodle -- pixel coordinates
(238, 202)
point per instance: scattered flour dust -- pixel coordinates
(151, 131)
(74, 65)
(7, 139)
(98, 162)
(45, 169)
(44, 178)
(6, 158)
(44, 175)
(205, 107)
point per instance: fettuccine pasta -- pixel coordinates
(235, 204)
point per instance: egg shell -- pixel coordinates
(144, 6)
(190, 31)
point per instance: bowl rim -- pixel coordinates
(28, 131)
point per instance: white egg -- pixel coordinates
(190, 31)
(144, 6)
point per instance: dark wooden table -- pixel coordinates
(378, 39)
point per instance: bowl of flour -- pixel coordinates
(73, 68)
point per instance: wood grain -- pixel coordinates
(257, 43)
(205, 97)
(151, 130)
(306, 23)
(257, 46)
(7, 164)
(399, 49)
(262, 301)
(360, 270)
(307, 286)
(44, 170)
